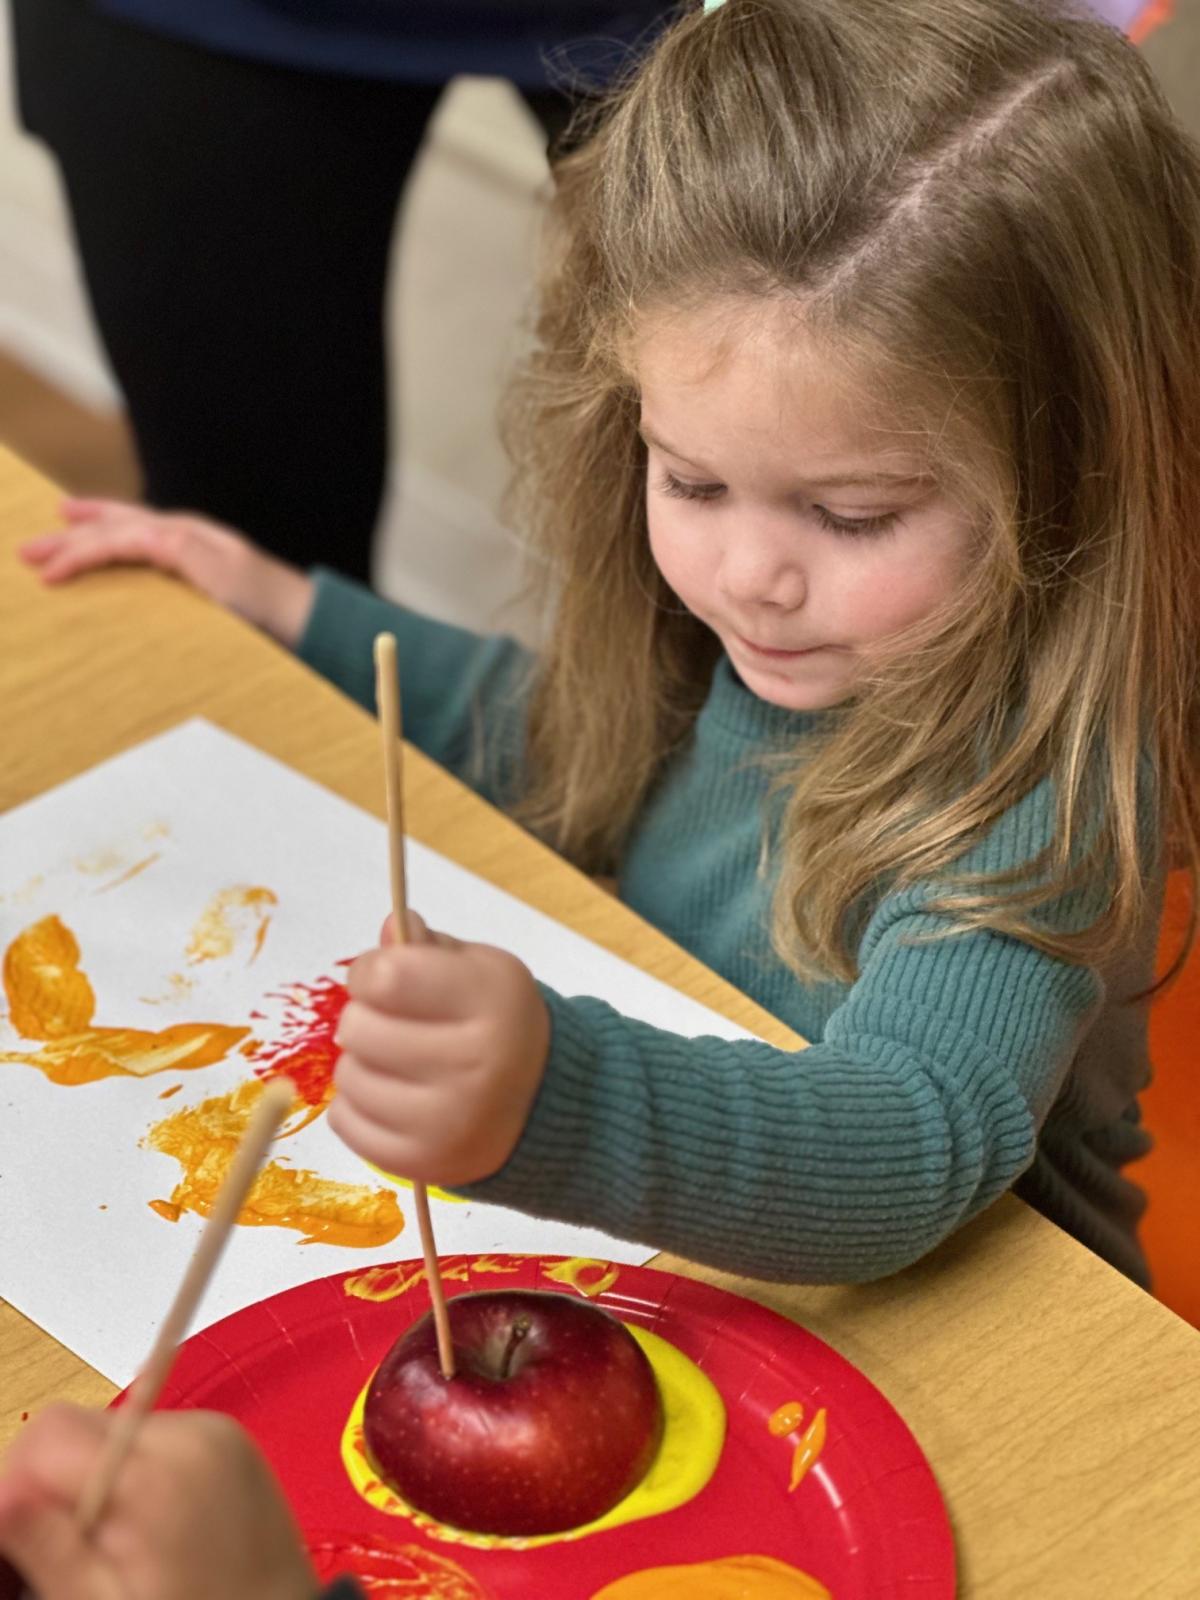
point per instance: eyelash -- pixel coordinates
(852, 527)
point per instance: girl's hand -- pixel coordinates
(444, 1046)
(219, 562)
(194, 1512)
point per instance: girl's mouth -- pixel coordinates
(772, 654)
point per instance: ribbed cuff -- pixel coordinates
(344, 615)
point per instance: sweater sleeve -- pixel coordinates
(842, 1162)
(463, 696)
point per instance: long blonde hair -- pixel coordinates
(990, 205)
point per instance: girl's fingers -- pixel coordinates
(36, 550)
(420, 982)
(138, 543)
(417, 928)
(369, 1140)
(393, 1106)
(42, 545)
(392, 1046)
(419, 932)
(74, 507)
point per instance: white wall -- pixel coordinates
(43, 319)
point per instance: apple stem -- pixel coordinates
(518, 1331)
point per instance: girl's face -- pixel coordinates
(800, 534)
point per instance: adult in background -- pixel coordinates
(233, 170)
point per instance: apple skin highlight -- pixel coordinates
(552, 1417)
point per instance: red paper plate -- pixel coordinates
(866, 1520)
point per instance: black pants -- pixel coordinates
(234, 222)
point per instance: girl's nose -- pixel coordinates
(764, 567)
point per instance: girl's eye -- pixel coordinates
(855, 526)
(689, 491)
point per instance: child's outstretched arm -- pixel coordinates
(194, 1512)
(844, 1162)
(216, 560)
(463, 694)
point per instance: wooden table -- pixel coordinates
(1059, 1406)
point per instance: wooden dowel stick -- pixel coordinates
(277, 1099)
(387, 700)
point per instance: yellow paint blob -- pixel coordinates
(786, 1420)
(229, 914)
(406, 1183)
(590, 1277)
(731, 1578)
(204, 1139)
(48, 996)
(693, 1435)
(390, 1282)
(808, 1449)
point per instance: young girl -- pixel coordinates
(859, 450)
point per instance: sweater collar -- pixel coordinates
(737, 712)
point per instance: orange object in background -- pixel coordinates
(1151, 16)
(1170, 1174)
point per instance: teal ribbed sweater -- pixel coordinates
(947, 1074)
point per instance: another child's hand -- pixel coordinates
(194, 1512)
(444, 1047)
(219, 562)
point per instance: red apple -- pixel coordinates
(552, 1416)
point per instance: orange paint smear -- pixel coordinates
(115, 1052)
(305, 1050)
(167, 1093)
(807, 1450)
(220, 925)
(48, 996)
(396, 1572)
(731, 1578)
(138, 866)
(107, 859)
(178, 988)
(50, 999)
(589, 1277)
(204, 1139)
(389, 1283)
(786, 1420)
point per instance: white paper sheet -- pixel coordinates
(127, 857)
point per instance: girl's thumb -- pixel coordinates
(418, 931)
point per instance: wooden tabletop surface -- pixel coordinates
(1058, 1405)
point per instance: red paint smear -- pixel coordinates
(24, 1416)
(305, 1050)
